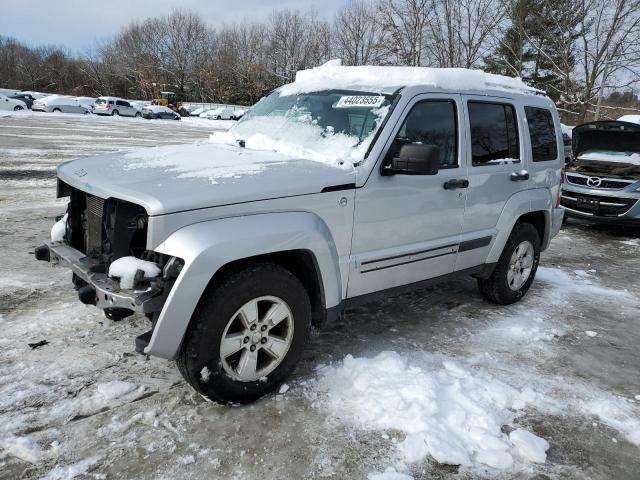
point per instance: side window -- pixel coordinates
(431, 122)
(542, 133)
(494, 133)
(121, 103)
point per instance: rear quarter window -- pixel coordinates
(494, 133)
(542, 132)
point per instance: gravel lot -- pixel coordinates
(87, 404)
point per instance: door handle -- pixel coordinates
(456, 183)
(519, 176)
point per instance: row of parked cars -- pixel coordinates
(110, 106)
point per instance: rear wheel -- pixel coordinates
(516, 267)
(138, 115)
(115, 113)
(247, 334)
(57, 110)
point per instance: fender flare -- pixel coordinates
(521, 203)
(207, 246)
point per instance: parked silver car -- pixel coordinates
(115, 106)
(316, 200)
(60, 103)
(602, 183)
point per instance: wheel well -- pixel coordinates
(537, 219)
(301, 263)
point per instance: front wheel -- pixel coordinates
(247, 334)
(516, 267)
(17, 107)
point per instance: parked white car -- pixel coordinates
(221, 113)
(59, 103)
(115, 106)
(238, 113)
(7, 103)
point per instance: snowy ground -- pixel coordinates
(405, 388)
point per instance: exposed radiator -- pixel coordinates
(94, 212)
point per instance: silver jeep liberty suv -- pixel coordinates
(349, 183)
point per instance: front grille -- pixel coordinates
(607, 206)
(94, 212)
(605, 182)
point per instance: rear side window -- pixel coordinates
(542, 133)
(494, 133)
(122, 103)
(432, 122)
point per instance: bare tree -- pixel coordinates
(610, 48)
(358, 34)
(404, 23)
(461, 31)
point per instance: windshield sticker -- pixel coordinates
(368, 101)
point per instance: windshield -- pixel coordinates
(100, 101)
(330, 126)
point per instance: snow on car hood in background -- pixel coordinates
(175, 178)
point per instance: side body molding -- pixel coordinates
(526, 201)
(207, 246)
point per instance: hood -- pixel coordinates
(606, 136)
(610, 148)
(176, 178)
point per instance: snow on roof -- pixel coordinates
(630, 119)
(332, 75)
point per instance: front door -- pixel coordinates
(407, 227)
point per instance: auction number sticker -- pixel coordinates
(369, 101)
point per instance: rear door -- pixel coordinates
(497, 170)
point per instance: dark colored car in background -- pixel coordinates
(25, 97)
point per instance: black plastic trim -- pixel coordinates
(337, 188)
(475, 243)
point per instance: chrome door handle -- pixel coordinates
(456, 183)
(519, 176)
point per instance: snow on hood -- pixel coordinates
(175, 178)
(332, 75)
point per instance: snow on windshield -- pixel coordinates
(330, 127)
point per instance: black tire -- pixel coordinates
(496, 288)
(201, 344)
(18, 107)
(138, 115)
(57, 110)
(115, 113)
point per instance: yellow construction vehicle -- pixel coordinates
(168, 99)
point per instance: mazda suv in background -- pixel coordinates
(602, 182)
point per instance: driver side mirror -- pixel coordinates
(415, 159)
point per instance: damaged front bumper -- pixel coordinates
(101, 290)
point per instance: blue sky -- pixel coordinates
(79, 24)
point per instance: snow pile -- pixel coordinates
(68, 472)
(565, 283)
(24, 448)
(158, 109)
(530, 447)
(301, 138)
(630, 119)
(332, 75)
(450, 414)
(212, 161)
(59, 228)
(618, 413)
(389, 474)
(125, 269)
